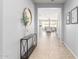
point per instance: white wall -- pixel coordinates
(59, 25)
(13, 30)
(0, 29)
(71, 31)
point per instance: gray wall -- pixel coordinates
(47, 5)
(35, 19)
(1, 29)
(13, 30)
(71, 31)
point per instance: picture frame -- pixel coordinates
(68, 18)
(74, 16)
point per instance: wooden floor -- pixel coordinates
(50, 47)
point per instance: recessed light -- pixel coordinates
(52, 0)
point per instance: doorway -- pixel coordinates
(49, 20)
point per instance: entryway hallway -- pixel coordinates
(20, 24)
(50, 47)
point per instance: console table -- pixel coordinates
(27, 45)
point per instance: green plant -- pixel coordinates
(24, 20)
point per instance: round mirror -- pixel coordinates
(27, 15)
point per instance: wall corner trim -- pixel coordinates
(70, 50)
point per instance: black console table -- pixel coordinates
(27, 45)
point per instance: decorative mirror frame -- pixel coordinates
(30, 14)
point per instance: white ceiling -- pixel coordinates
(49, 13)
(48, 1)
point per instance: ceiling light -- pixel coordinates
(52, 0)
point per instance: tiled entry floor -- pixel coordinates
(49, 47)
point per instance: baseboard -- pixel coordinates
(70, 50)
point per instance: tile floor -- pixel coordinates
(49, 47)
